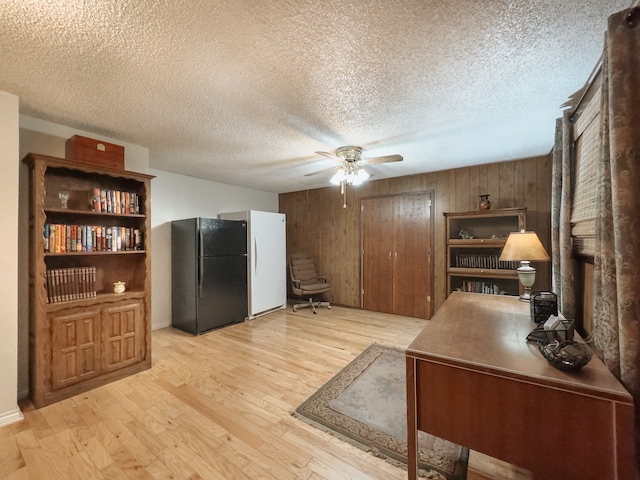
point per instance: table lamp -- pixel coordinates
(524, 247)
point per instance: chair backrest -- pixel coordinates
(302, 267)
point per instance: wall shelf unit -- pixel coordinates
(474, 242)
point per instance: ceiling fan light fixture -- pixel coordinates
(358, 177)
(339, 177)
(350, 177)
(350, 171)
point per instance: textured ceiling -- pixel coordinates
(244, 91)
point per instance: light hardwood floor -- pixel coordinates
(217, 406)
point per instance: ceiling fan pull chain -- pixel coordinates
(344, 195)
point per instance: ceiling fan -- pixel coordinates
(349, 170)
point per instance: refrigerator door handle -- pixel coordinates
(255, 257)
(200, 275)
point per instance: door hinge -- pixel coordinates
(429, 203)
(362, 292)
(429, 253)
(362, 207)
(429, 298)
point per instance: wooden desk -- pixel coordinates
(473, 379)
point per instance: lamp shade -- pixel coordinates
(523, 246)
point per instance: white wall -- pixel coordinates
(172, 197)
(9, 411)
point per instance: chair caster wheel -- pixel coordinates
(329, 307)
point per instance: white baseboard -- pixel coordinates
(10, 417)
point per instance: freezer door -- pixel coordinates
(268, 268)
(222, 291)
(221, 237)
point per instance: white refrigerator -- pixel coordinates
(267, 259)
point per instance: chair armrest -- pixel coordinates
(323, 279)
(296, 283)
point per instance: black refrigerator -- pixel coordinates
(208, 273)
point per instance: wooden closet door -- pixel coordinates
(377, 254)
(412, 256)
(396, 256)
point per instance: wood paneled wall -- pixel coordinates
(317, 222)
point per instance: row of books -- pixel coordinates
(61, 238)
(480, 287)
(67, 284)
(482, 260)
(115, 201)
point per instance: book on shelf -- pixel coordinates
(69, 284)
(478, 286)
(482, 260)
(114, 201)
(60, 238)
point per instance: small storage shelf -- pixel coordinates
(69, 212)
(99, 299)
(474, 242)
(489, 284)
(90, 254)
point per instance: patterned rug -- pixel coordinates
(365, 404)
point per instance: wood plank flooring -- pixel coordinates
(217, 406)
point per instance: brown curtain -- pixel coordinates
(563, 263)
(616, 315)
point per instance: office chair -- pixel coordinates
(305, 281)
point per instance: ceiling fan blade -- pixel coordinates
(320, 171)
(385, 159)
(330, 156)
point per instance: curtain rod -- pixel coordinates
(594, 73)
(592, 76)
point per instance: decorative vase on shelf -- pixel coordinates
(484, 204)
(119, 287)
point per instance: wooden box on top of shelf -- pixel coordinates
(94, 152)
(81, 341)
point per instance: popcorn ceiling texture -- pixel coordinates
(244, 91)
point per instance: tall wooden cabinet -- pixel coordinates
(81, 333)
(474, 242)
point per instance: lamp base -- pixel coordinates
(526, 295)
(527, 277)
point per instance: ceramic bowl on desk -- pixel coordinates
(568, 355)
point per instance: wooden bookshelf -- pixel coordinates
(474, 242)
(85, 335)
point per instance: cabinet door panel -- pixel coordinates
(75, 348)
(412, 263)
(377, 257)
(122, 336)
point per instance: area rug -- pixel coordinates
(365, 405)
